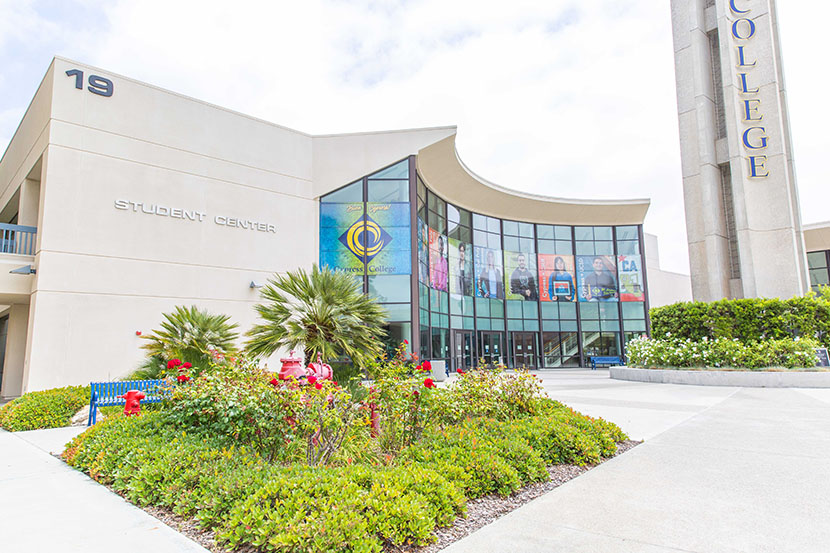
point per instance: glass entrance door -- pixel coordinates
(462, 350)
(524, 350)
(490, 347)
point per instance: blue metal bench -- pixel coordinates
(610, 361)
(105, 394)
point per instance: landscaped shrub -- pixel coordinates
(251, 502)
(47, 409)
(301, 465)
(491, 393)
(747, 320)
(348, 507)
(722, 352)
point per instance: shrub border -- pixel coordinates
(744, 379)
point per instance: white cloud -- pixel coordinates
(566, 98)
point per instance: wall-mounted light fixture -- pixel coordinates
(255, 284)
(26, 270)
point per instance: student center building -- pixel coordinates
(121, 201)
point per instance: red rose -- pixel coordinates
(460, 371)
(187, 365)
(406, 342)
(170, 364)
(429, 383)
(427, 366)
(182, 378)
(319, 386)
(419, 368)
(416, 393)
(274, 382)
(312, 379)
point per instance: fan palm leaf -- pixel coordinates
(323, 312)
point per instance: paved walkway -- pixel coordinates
(47, 506)
(722, 469)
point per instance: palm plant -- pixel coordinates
(189, 334)
(323, 312)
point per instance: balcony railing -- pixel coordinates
(17, 239)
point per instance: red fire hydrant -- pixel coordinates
(292, 367)
(320, 369)
(132, 402)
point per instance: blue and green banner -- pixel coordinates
(375, 238)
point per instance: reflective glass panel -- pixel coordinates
(397, 311)
(545, 231)
(388, 191)
(347, 194)
(390, 288)
(627, 233)
(816, 260)
(398, 171)
(603, 233)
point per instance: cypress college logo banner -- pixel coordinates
(357, 239)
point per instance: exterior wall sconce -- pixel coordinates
(27, 270)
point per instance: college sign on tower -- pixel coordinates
(754, 137)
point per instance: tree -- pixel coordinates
(189, 334)
(323, 312)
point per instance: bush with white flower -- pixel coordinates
(789, 353)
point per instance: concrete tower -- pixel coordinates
(742, 213)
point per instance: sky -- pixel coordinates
(565, 98)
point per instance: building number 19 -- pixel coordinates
(97, 85)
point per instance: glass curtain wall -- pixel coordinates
(524, 294)
(489, 290)
(365, 229)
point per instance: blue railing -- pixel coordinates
(17, 239)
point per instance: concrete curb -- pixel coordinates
(748, 379)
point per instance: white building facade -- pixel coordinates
(121, 200)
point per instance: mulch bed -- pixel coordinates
(480, 512)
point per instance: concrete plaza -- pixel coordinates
(721, 469)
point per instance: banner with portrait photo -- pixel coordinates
(557, 278)
(489, 281)
(520, 276)
(630, 271)
(461, 268)
(596, 278)
(438, 264)
(423, 252)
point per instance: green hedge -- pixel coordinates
(363, 507)
(747, 320)
(47, 409)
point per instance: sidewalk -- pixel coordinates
(749, 473)
(47, 506)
